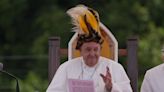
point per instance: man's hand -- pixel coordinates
(107, 80)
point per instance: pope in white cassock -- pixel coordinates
(154, 78)
(107, 75)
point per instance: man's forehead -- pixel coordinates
(91, 44)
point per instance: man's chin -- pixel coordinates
(93, 62)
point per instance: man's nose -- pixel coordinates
(92, 52)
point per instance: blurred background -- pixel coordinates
(26, 25)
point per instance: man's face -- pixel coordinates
(90, 52)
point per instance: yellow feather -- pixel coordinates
(77, 13)
(82, 24)
(92, 21)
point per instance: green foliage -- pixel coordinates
(32, 83)
(149, 53)
(5, 82)
(52, 22)
(150, 46)
(10, 10)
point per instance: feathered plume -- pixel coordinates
(85, 20)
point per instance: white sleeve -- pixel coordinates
(115, 88)
(146, 85)
(121, 81)
(58, 84)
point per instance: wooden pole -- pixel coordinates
(54, 56)
(132, 64)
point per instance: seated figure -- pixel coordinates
(106, 74)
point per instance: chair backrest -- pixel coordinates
(109, 46)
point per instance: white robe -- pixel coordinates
(73, 68)
(154, 80)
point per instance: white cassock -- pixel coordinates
(154, 80)
(76, 69)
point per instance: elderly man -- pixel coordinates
(107, 75)
(154, 78)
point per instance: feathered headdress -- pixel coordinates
(86, 22)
